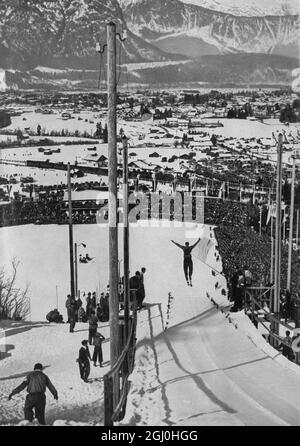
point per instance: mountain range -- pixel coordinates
(168, 40)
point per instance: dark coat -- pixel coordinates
(84, 354)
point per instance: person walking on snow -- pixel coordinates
(187, 260)
(37, 383)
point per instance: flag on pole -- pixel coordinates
(203, 248)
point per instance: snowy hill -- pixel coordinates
(253, 8)
(193, 367)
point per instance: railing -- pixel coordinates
(255, 298)
(116, 381)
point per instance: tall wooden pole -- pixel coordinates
(278, 231)
(289, 272)
(272, 252)
(297, 229)
(76, 269)
(126, 238)
(113, 194)
(71, 247)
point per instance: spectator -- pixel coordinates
(248, 277)
(73, 308)
(98, 355)
(142, 286)
(134, 285)
(93, 325)
(286, 346)
(94, 301)
(82, 315)
(89, 305)
(84, 361)
(68, 304)
(54, 316)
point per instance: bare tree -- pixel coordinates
(14, 302)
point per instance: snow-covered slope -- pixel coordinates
(155, 20)
(3, 84)
(252, 8)
(200, 371)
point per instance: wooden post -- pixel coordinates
(113, 194)
(126, 289)
(278, 232)
(71, 247)
(297, 229)
(272, 252)
(76, 269)
(289, 272)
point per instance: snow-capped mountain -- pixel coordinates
(249, 8)
(62, 34)
(173, 25)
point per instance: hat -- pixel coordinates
(38, 366)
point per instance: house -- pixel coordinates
(154, 155)
(102, 161)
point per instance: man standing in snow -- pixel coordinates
(98, 355)
(142, 294)
(73, 307)
(36, 383)
(68, 303)
(93, 325)
(84, 361)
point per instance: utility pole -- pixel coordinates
(272, 252)
(113, 194)
(72, 280)
(76, 269)
(126, 288)
(297, 229)
(278, 232)
(289, 272)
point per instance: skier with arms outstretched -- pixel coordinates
(187, 260)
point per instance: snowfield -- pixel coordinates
(254, 8)
(193, 367)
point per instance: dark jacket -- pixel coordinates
(93, 322)
(84, 354)
(36, 382)
(98, 339)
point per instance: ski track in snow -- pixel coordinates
(191, 368)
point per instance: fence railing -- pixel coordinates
(255, 299)
(116, 381)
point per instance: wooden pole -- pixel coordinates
(71, 246)
(76, 269)
(126, 288)
(278, 232)
(113, 194)
(297, 228)
(272, 252)
(289, 272)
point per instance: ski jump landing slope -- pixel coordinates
(202, 370)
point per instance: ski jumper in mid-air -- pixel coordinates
(187, 260)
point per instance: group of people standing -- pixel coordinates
(136, 284)
(76, 312)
